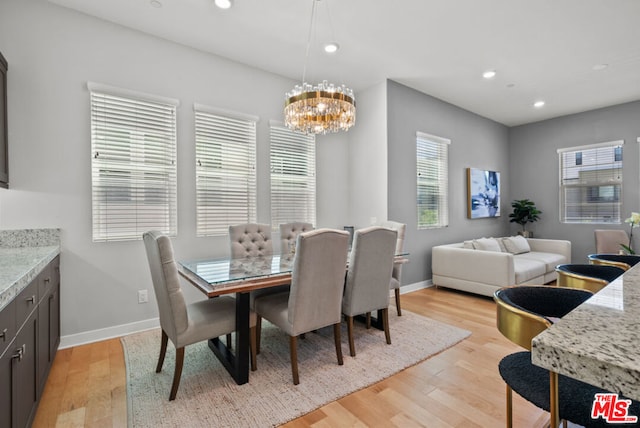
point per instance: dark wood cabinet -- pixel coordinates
(48, 320)
(4, 133)
(34, 316)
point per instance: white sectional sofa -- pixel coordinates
(483, 265)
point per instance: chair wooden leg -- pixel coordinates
(385, 324)
(398, 308)
(293, 349)
(352, 345)
(368, 318)
(509, 407)
(252, 348)
(336, 337)
(177, 373)
(163, 351)
(259, 331)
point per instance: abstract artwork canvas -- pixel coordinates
(483, 193)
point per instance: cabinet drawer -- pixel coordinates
(7, 325)
(26, 302)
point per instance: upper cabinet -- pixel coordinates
(4, 134)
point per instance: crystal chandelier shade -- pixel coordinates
(322, 108)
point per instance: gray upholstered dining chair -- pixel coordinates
(184, 324)
(289, 233)
(250, 239)
(315, 298)
(368, 276)
(608, 240)
(394, 284)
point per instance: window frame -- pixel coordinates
(289, 208)
(440, 181)
(602, 181)
(235, 169)
(133, 163)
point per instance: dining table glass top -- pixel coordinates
(225, 270)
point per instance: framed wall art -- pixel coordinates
(483, 193)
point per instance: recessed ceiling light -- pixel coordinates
(489, 74)
(155, 3)
(223, 4)
(538, 104)
(331, 47)
(599, 67)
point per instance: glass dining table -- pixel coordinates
(239, 276)
(217, 277)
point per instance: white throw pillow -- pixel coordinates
(516, 244)
(468, 245)
(486, 244)
(501, 244)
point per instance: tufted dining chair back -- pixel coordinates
(250, 239)
(289, 233)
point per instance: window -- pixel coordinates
(591, 183)
(133, 164)
(432, 180)
(225, 170)
(293, 176)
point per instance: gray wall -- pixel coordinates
(475, 142)
(534, 167)
(52, 53)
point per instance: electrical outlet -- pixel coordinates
(143, 296)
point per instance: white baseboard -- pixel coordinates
(107, 333)
(416, 286)
(135, 327)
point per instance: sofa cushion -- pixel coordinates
(516, 244)
(551, 260)
(527, 269)
(486, 244)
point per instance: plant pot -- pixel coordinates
(526, 233)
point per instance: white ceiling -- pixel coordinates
(541, 49)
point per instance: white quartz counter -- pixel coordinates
(599, 342)
(23, 255)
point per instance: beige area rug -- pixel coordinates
(208, 396)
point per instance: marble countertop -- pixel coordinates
(24, 253)
(599, 342)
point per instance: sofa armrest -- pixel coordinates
(556, 246)
(473, 265)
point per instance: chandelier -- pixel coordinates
(322, 108)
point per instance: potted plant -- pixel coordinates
(524, 211)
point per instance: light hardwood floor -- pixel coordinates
(459, 387)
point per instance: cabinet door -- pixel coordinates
(4, 143)
(24, 373)
(6, 362)
(43, 342)
(54, 322)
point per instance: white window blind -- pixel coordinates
(293, 176)
(133, 164)
(591, 183)
(225, 171)
(432, 180)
